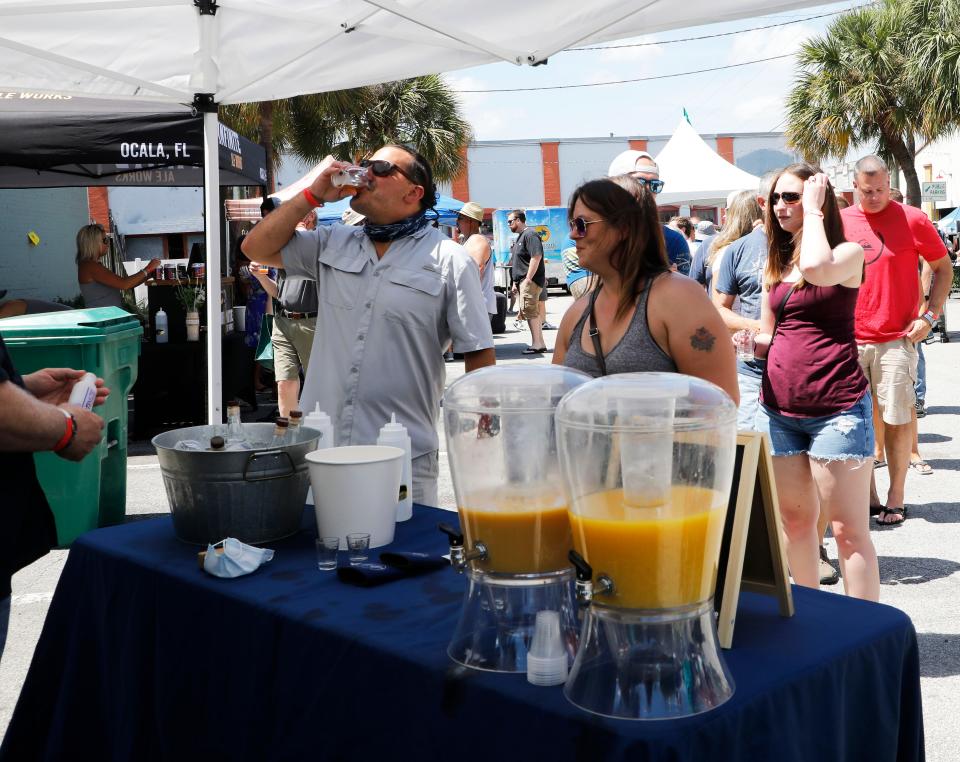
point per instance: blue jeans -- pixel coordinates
(749, 401)
(843, 436)
(921, 386)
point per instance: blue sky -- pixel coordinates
(747, 99)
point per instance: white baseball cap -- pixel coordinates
(626, 162)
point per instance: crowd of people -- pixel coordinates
(831, 300)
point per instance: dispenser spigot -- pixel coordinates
(459, 557)
(585, 587)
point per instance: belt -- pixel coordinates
(297, 315)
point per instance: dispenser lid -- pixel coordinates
(642, 401)
(512, 389)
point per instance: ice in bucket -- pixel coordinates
(355, 490)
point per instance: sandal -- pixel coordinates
(879, 463)
(921, 467)
(876, 510)
(533, 351)
(901, 512)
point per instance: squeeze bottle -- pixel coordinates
(321, 422)
(84, 392)
(394, 434)
(160, 335)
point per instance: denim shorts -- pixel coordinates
(843, 436)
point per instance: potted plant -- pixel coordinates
(191, 298)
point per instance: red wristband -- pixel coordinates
(311, 199)
(69, 433)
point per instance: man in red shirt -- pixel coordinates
(888, 326)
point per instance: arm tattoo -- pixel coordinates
(702, 339)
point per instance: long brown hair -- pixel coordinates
(785, 247)
(630, 208)
(743, 212)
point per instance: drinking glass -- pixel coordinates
(358, 547)
(327, 548)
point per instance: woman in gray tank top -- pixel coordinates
(100, 286)
(641, 317)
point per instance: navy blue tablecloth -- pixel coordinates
(145, 657)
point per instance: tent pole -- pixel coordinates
(211, 227)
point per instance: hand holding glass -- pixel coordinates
(745, 340)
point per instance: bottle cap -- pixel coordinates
(547, 658)
(296, 415)
(392, 426)
(282, 422)
(217, 443)
(316, 418)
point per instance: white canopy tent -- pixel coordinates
(694, 172)
(208, 53)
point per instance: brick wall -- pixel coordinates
(725, 148)
(638, 145)
(461, 183)
(99, 202)
(550, 155)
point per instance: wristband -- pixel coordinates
(311, 199)
(813, 212)
(930, 318)
(69, 434)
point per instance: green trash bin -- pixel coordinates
(105, 341)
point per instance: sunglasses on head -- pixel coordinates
(383, 168)
(578, 225)
(789, 197)
(655, 186)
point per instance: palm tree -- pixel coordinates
(934, 60)
(853, 89)
(422, 112)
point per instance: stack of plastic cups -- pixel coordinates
(547, 658)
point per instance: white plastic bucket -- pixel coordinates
(355, 490)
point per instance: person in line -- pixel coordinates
(392, 293)
(294, 323)
(618, 236)
(529, 277)
(743, 214)
(469, 219)
(888, 327)
(815, 402)
(257, 290)
(35, 417)
(100, 286)
(683, 226)
(641, 167)
(579, 280)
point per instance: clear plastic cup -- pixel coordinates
(745, 342)
(358, 547)
(327, 548)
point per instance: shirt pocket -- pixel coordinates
(412, 297)
(340, 278)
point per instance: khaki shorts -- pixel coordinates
(529, 300)
(292, 340)
(891, 369)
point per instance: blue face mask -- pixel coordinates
(236, 558)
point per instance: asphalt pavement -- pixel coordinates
(919, 561)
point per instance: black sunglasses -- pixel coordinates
(578, 225)
(383, 168)
(106, 239)
(789, 197)
(655, 186)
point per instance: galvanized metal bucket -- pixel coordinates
(254, 495)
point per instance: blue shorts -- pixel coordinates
(843, 436)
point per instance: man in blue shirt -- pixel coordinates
(740, 275)
(641, 166)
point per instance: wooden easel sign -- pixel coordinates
(751, 554)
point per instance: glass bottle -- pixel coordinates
(281, 432)
(234, 427)
(296, 421)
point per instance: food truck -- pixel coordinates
(550, 222)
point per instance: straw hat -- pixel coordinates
(473, 210)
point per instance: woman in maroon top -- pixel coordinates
(815, 400)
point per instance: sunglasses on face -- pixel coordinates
(578, 226)
(510, 222)
(384, 168)
(106, 239)
(655, 186)
(789, 197)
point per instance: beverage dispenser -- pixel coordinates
(514, 535)
(647, 460)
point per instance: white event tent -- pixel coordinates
(694, 172)
(207, 53)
